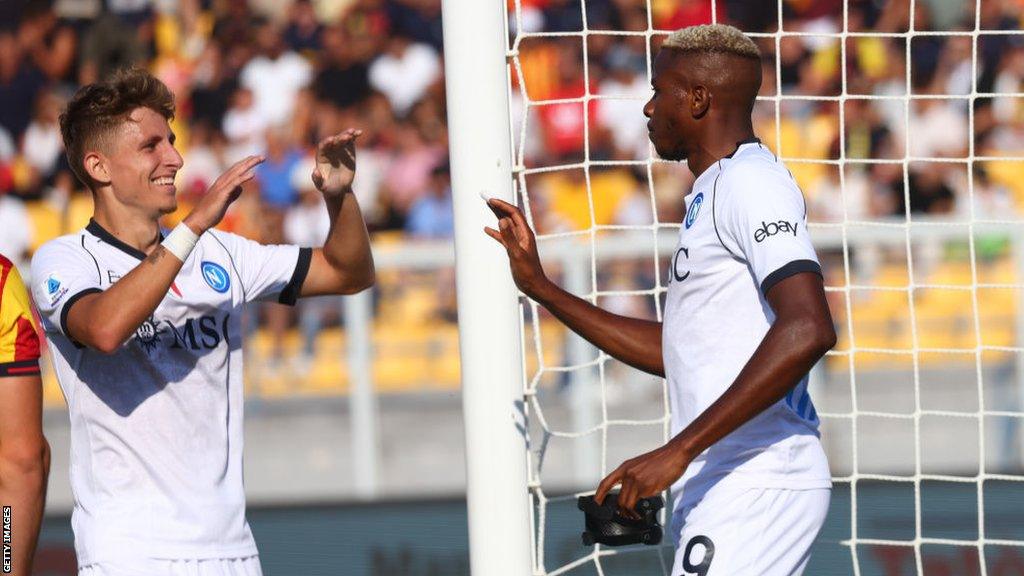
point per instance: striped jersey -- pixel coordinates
(745, 230)
(156, 426)
(19, 343)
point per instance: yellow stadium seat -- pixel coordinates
(45, 221)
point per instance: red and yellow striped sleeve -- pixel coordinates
(19, 342)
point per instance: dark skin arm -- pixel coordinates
(800, 336)
(631, 340)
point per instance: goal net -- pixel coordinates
(903, 123)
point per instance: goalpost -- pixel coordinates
(489, 325)
(922, 402)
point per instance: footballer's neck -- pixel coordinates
(719, 143)
(138, 230)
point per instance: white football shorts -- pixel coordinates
(152, 567)
(748, 532)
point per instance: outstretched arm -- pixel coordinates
(634, 341)
(800, 336)
(345, 264)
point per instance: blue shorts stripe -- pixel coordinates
(805, 398)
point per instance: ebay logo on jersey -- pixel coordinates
(767, 230)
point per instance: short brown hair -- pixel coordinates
(98, 108)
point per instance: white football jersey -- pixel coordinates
(156, 427)
(745, 230)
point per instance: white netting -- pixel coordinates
(920, 236)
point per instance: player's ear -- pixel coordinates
(700, 100)
(96, 166)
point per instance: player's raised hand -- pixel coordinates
(646, 475)
(211, 208)
(336, 163)
(521, 245)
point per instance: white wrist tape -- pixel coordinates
(180, 241)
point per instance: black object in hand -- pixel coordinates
(605, 525)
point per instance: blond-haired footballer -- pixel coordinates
(745, 320)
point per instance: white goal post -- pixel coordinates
(489, 321)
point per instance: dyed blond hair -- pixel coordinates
(713, 38)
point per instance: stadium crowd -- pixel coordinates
(273, 77)
(880, 129)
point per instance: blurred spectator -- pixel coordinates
(109, 44)
(41, 144)
(244, 125)
(367, 27)
(412, 162)
(212, 86)
(274, 176)
(1009, 79)
(20, 82)
(275, 76)
(48, 41)
(936, 129)
(432, 215)
(562, 123)
(308, 224)
(235, 25)
(568, 198)
(320, 67)
(343, 79)
(15, 233)
(563, 16)
(624, 116)
(7, 147)
(851, 200)
(675, 15)
(420, 20)
(991, 200)
(928, 191)
(277, 195)
(374, 165)
(404, 72)
(134, 13)
(867, 136)
(204, 161)
(302, 34)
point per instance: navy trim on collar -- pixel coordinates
(751, 140)
(100, 232)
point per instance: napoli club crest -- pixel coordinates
(216, 276)
(694, 209)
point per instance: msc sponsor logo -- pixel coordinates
(201, 333)
(694, 209)
(769, 229)
(676, 274)
(216, 276)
